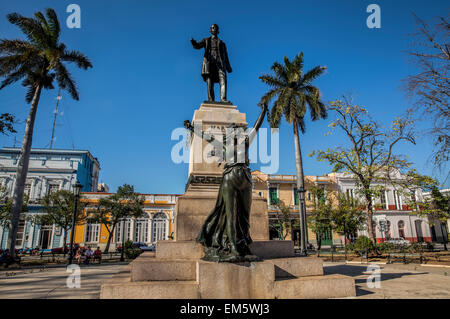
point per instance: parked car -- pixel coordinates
(147, 248)
(398, 241)
(141, 245)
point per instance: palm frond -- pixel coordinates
(274, 117)
(65, 81)
(313, 73)
(267, 98)
(30, 94)
(13, 77)
(30, 27)
(53, 24)
(15, 46)
(280, 71)
(316, 108)
(271, 80)
(301, 124)
(81, 60)
(298, 62)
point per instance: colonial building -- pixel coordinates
(156, 224)
(439, 228)
(276, 188)
(395, 207)
(49, 170)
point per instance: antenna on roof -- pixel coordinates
(59, 97)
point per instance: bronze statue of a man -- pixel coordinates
(215, 63)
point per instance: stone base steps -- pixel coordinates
(315, 287)
(177, 271)
(162, 270)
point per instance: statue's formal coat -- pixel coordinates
(223, 63)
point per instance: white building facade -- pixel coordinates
(49, 170)
(393, 209)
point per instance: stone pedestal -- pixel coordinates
(176, 271)
(195, 205)
(205, 175)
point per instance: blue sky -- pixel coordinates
(146, 76)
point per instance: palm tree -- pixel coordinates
(38, 61)
(292, 91)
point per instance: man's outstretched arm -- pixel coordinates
(198, 45)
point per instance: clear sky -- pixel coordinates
(146, 76)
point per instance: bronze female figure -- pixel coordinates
(226, 232)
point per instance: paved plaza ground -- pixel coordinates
(43, 283)
(397, 281)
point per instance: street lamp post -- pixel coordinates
(123, 240)
(76, 191)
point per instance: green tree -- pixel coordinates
(348, 217)
(293, 91)
(58, 208)
(6, 123)
(38, 61)
(113, 209)
(5, 207)
(436, 206)
(284, 222)
(369, 158)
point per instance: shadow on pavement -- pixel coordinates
(360, 271)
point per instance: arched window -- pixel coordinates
(159, 225)
(401, 229)
(141, 229)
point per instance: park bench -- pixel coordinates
(404, 256)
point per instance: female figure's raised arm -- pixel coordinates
(258, 123)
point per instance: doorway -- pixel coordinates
(45, 237)
(419, 232)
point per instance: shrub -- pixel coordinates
(363, 243)
(350, 247)
(130, 252)
(415, 248)
(384, 247)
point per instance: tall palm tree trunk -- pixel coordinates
(300, 189)
(22, 170)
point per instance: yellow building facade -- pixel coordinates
(276, 188)
(157, 223)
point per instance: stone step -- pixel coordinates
(235, 280)
(150, 290)
(146, 269)
(297, 267)
(189, 249)
(168, 249)
(273, 248)
(315, 287)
